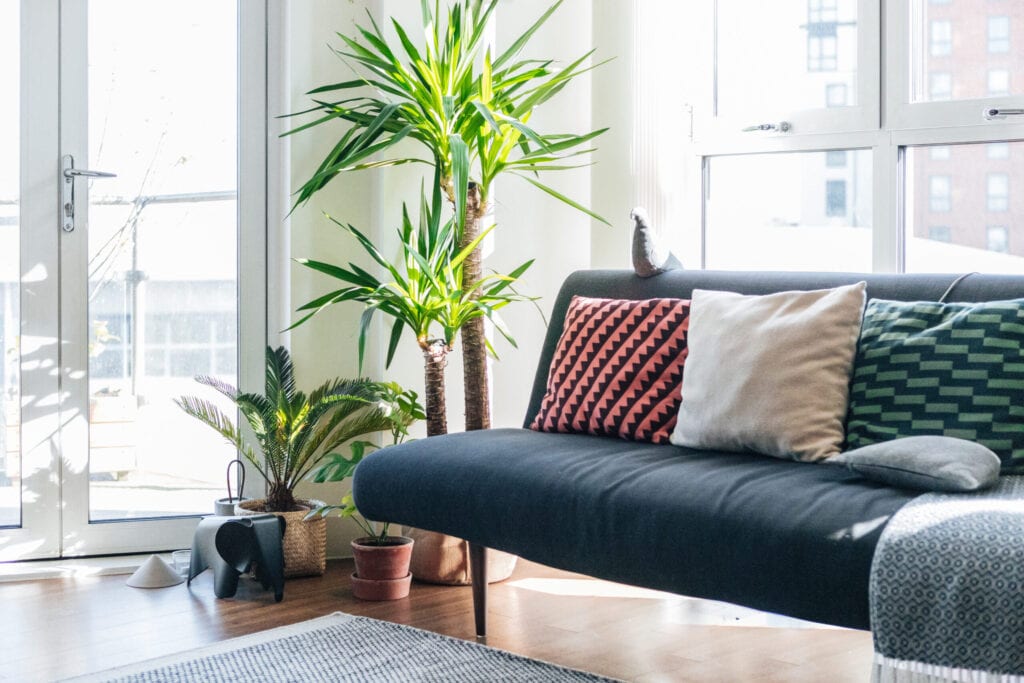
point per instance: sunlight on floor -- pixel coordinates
(72, 568)
(588, 588)
(677, 609)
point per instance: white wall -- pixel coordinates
(530, 224)
(325, 347)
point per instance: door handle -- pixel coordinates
(67, 189)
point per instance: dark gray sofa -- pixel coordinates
(781, 536)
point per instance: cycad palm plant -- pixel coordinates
(471, 113)
(294, 431)
(424, 293)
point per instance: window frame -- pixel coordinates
(901, 124)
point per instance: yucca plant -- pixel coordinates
(470, 112)
(293, 431)
(424, 293)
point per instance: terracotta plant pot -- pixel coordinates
(382, 571)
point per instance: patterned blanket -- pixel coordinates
(947, 588)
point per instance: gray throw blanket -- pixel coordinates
(947, 587)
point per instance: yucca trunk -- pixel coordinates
(280, 498)
(476, 379)
(435, 358)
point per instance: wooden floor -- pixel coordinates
(63, 627)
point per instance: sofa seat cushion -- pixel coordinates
(786, 537)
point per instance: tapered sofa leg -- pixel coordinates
(478, 569)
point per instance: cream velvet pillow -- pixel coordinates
(770, 374)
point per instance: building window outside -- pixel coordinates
(939, 193)
(822, 35)
(998, 34)
(835, 158)
(940, 233)
(940, 85)
(821, 53)
(204, 346)
(835, 198)
(938, 153)
(835, 95)
(998, 192)
(941, 37)
(998, 150)
(822, 11)
(998, 239)
(998, 82)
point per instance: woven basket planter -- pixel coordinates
(304, 543)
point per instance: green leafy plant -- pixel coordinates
(406, 409)
(295, 431)
(348, 510)
(424, 292)
(470, 112)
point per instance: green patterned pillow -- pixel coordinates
(927, 368)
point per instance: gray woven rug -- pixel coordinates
(341, 647)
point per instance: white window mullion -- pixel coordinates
(886, 242)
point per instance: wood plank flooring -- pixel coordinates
(50, 629)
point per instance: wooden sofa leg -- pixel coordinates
(478, 569)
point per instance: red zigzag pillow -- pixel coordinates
(618, 369)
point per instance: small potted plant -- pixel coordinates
(295, 433)
(382, 560)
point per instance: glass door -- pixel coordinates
(151, 260)
(149, 126)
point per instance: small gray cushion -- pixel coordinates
(928, 463)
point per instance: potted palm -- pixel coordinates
(470, 112)
(294, 433)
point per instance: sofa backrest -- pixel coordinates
(624, 284)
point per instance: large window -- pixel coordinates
(925, 178)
